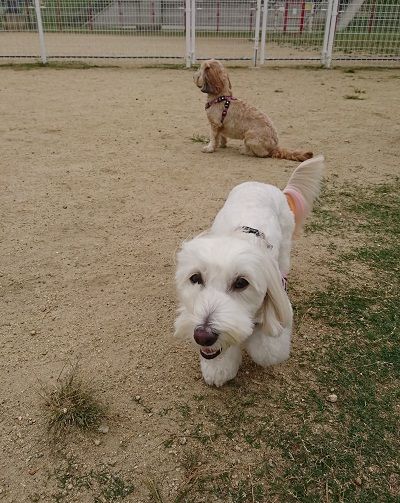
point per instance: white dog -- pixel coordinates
(231, 279)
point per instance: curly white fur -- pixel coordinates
(229, 281)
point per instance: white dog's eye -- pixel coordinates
(196, 279)
(240, 284)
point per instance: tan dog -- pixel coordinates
(230, 117)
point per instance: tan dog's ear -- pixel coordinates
(276, 309)
(213, 77)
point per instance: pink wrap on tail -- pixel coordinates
(302, 189)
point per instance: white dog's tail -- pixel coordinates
(303, 188)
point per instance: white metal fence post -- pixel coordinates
(326, 32)
(263, 32)
(43, 56)
(332, 33)
(257, 31)
(193, 32)
(187, 32)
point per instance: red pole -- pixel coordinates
(90, 15)
(285, 16)
(120, 16)
(371, 17)
(302, 14)
(153, 19)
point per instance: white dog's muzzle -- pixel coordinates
(205, 337)
(210, 354)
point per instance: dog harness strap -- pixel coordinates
(227, 102)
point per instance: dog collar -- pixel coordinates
(259, 234)
(256, 232)
(227, 102)
(250, 230)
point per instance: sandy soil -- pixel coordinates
(100, 183)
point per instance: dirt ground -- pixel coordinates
(101, 181)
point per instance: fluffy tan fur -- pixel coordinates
(242, 122)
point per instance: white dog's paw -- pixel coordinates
(222, 369)
(208, 149)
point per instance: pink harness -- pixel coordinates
(227, 102)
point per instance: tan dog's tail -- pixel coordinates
(303, 188)
(291, 155)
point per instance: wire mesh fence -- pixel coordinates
(293, 29)
(192, 30)
(16, 15)
(367, 29)
(226, 29)
(117, 28)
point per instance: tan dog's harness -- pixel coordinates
(227, 102)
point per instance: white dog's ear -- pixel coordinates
(277, 311)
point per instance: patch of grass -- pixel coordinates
(71, 404)
(361, 361)
(168, 442)
(184, 410)
(165, 411)
(166, 66)
(322, 220)
(357, 94)
(190, 460)
(222, 486)
(358, 433)
(326, 215)
(112, 487)
(22, 66)
(380, 255)
(155, 494)
(353, 97)
(56, 65)
(103, 484)
(361, 209)
(198, 138)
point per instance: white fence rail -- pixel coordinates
(257, 31)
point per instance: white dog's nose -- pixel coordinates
(204, 336)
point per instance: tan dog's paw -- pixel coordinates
(222, 142)
(245, 151)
